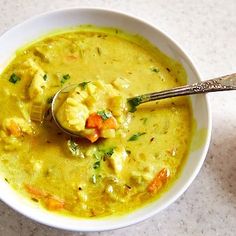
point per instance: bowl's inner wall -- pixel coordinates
(36, 27)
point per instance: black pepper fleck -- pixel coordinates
(152, 139)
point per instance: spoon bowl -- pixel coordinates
(58, 99)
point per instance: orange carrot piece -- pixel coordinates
(14, 129)
(71, 57)
(155, 185)
(34, 191)
(110, 123)
(94, 121)
(54, 204)
(158, 181)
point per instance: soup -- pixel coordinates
(128, 157)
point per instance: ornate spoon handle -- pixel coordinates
(227, 82)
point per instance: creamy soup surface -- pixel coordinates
(123, 159)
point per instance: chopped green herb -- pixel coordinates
(134, 102)
(6, 180)
(14, 78)
(74, 148)
(136, 136)
(108, 152)
(45, 77)
(65, 78)
(99, 51)
(104, 114)
(156, 70)
(84, 84)
(49, 100)
(96, 165)
(144, 120)
(102, 154)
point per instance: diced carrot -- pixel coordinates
(51, 202)
(71, 57)
(155, 185)
(94, 121)
(92, 136)
(110, 123)
(158, 181)
(14, 129)
(54, 204)
(34, 191)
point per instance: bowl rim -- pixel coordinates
(208, 124)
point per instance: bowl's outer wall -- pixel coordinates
(40, 25)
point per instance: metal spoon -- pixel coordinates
(222, 83)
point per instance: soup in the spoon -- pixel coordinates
(90, 109)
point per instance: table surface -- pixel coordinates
(206, 30)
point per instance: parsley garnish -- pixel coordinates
(144, 120)
(96, 165)
(156, 70)
(104, 114)
(45, 77)
(102, 154)
(134, 102)
(65, 78)
(136, 136)
(83, 85)
(14, 78)
(108, 152)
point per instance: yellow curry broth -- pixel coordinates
(110, 176)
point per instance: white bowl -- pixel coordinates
(40, 25)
